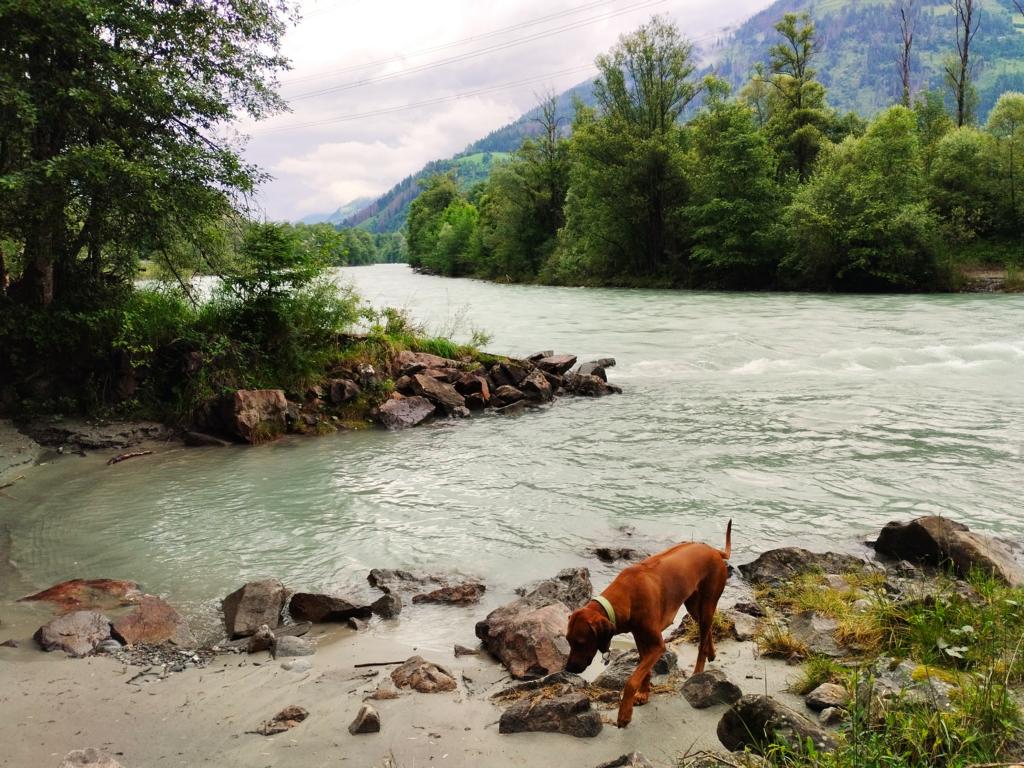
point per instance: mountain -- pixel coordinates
(339, 215)
(859, 45)
(387, 213)
(857, 62)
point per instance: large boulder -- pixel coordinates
(76, 633)
(256, 415)
(505, 395)
(409, 363)
(89, 595)
(536, 387)
(588, 385)
(624, 663)
(443, 395)
(405, 413)
(757, 721)
(557, 364)
(423, 676)
(152, 623)
(942, 542)
(570, 714)
(252, 605)
(528, 640)
(571, 586)
(309, 606)
(778, 566)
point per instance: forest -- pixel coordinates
(766, 188)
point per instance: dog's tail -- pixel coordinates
(728, 541)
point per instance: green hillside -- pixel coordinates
(388, 212)
(860, 45)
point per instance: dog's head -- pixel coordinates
(589, 632)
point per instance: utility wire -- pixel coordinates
(474, 54)
(425, 103)
(452, 44)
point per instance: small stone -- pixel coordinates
(861, 606)
(624, 663)
(286, 647)
(263, 640)
(287, 718)
(357, 624)
(710, 687)
(367, 721)
(832, 716)
(88, 758)
(570, 714)
(386, 689)
(744, 626)
(459, 594)
(750, 608)
(297, 665)
(837, 583)
(817, 632)
(461, 650)
(827, 695)
(387, 606)
(107, 646)
(423, 676)
(14, 643)
(76, 633)
(632, 760)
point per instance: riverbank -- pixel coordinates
(787, 647)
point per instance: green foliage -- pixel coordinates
(426, 217)
(863, 221)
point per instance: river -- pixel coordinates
(806, 419)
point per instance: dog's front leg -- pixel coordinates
(650, 649)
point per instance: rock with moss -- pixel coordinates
(757, 722)
(778, 566)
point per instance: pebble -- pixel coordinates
(297, 665)
(292, 646)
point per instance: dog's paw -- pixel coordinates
(641, 698)
(622, 722)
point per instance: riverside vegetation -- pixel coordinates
(770, 188)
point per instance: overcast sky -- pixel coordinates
(339, 44)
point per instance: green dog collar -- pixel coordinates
(607, 609)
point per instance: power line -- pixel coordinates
(425, 103)
(475, 54)
(452, 44)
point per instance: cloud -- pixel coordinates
(316, 168)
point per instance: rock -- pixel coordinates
(832, 716)
(76, 633)
(744, 626)
(461, 650)
(476, 402)
(203, 440)
(529, 641)
(289, 647)
(443, 395)
(571, 586)
(388, 579)
(12, 643)
(387, 606)
(262, 640)
(718, 760)
(632, 760)
(308, 606)
(537, 356)
(405, 413)
(506, 395)
(624, 663)
(367, 721)
(940, 542)
(780, 565)
(342, 390)
(284, 720)
(515, 409)
(367, 375)
(536, 387)
(249, 607)
(89, 595)
(509, 373)
(557, 364)
(256, 415)
(750, 608)
(357, 624)
(473, 384)
(837, 583)
(386, 689)
(889, 681)
(861, 606)
(154, 622)
(615, 554)
(459, 594)
(756, 721)
(423, 676)
(709, 688)
(595, 368)
(557, 684)
(570, 714)
(828, 695)
(88, 758)
(421, 360)
(588, 385)
(297, 665)
(817, 632)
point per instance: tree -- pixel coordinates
(735, 201)
(799, 116)
(425, 217)
(863, 221)
(959, 69)
(964, 183)
(1006, 123)
(627, 164)
(908, 23)
(110, 118)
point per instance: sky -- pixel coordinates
(482, 64)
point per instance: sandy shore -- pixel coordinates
(52, 704)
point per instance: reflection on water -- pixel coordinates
(810, 419)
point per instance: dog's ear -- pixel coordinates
(603, 631)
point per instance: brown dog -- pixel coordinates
(644, 599)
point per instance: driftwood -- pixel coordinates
(126, 456)
(8, 485)
(379, 664)
(288, 630)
